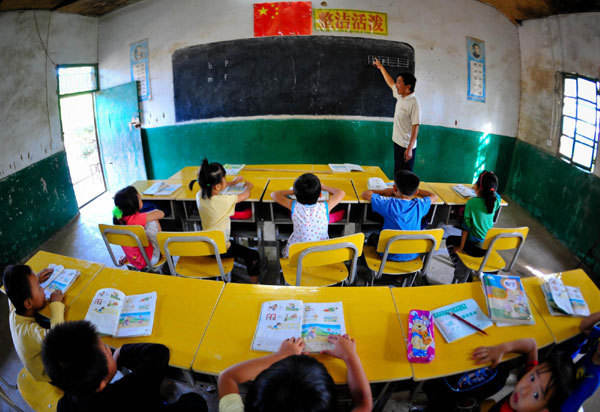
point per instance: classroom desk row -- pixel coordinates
(209, 325)
(270, 178)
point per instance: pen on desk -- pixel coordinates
(469, 323)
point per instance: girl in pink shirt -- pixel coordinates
(128, 203)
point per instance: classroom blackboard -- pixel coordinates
(309, 75)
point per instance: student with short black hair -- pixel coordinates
(27, 297)
(289, 380)
(82, 366)
(309, 216)
(400, 208)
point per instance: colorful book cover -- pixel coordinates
(420, 343)
(506, 299)
(60, 279)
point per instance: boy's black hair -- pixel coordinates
(409, 79)
(16, 283)
(562, 371)
(297, 383)
(209, 175)
(488, 185)
(126, 199)
(407, 182)
(73, 359)
(307, 189)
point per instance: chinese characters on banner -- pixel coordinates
(476, 69)
(138, 57)
(283, 18)
(355, 21)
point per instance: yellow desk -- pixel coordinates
(370, 318)
(563, 327)
(164, 203)
(88, 270)
(451, 198)
(455, 357)
(186, 174)
(183, 309)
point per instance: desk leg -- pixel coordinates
(383, 397)
(432, 215)
(448, 214)
(187, 374)
(498, 214)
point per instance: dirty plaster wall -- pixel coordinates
(568, 202)
(457, 134)
(35, 189)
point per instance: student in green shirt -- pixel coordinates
(478, 218)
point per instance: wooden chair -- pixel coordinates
(403, 241)
(128, 235)
(496, 239)
(199, 254)
(321, 263)
(39, 395)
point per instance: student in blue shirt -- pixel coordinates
(587, 369)
(399, 207)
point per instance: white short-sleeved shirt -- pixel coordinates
(406, 114)
(311, 223)
(231, 403)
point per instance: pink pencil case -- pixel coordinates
(420, 342)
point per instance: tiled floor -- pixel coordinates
(81, 239)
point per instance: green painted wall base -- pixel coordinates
(565, 199)
(443, 154)
(37, 202)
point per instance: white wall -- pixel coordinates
(29, 120)
(569, 43)
(435, 28)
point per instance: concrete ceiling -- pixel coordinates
(514, 10)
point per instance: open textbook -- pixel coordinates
(345, 167)
(161, 189)
(564, 300)
(60, 279)
(453, 329)
(236, 189)
(283, 319)
(120, 316)
(233, 169)
(506, 300)
(464, 191)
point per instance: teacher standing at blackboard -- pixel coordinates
(407, 117)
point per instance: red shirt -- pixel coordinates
(134, 255)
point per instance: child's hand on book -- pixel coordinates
(45, 274)
(485, 354)
(345, 346)
(237, 180)
(57, 296)
(291, 346)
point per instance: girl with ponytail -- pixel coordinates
(478, 218)
(216, 209)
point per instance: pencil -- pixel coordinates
(469, 323)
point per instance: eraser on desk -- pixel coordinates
(421, 344)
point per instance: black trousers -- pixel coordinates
(250, 256)
(470, 248)
(399, 163)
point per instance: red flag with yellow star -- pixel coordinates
(283, 18)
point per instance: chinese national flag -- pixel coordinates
(282, 19)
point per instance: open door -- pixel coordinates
(120, 142)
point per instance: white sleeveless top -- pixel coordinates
(311, 223)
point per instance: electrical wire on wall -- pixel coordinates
(45, 47)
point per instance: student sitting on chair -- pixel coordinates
(26, 299)
(82, 366)
(478, 218)
(399, 207)
(216, 209)
(587, 369)
(310, 217)
(128, 203)
(288, 380)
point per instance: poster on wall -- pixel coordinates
(140, 72)
(353, 21)
(283, 18)
(476, 69)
